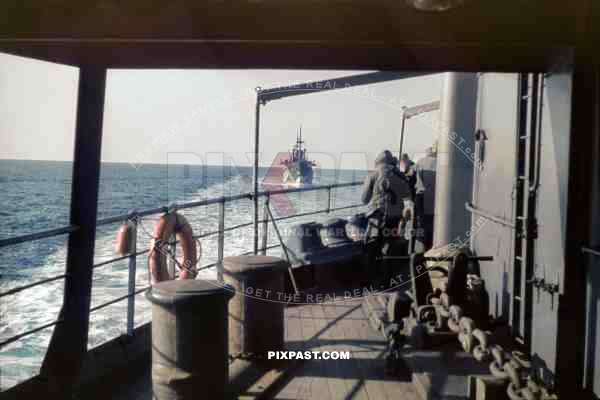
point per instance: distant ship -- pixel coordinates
(298, 170)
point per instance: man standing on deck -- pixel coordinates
(407, 167)
(425, 197)
(384, 190)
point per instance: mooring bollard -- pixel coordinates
(256, 320)
(189, 339)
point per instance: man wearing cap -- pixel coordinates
(384, 190)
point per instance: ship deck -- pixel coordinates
(339, 326)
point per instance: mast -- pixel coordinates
(299, 147)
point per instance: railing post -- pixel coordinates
(328, 199)
(221, 241)
(132, 272)
(265, 227)
(256, 164)
(66, 352)
(285, 252)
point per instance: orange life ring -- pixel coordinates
(167, 225)
(124, 242)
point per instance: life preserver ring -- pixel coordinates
(124, 242)
(167, 225)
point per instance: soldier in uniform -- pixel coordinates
(384, 190)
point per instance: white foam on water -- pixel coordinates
(34, 307)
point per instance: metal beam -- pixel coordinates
(410, 112)
(414, 111)
(68, 346)
(244, 54)
(334, 84)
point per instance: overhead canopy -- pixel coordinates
(509, 35)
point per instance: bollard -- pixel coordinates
(190, 355)
(256, 312)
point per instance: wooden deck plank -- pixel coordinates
(324, 327)
(336, 335)
(354, 384)
(354, 339)
(392, 387)
(293, 341)
(293, 328)
(317, 382)
(332, 313)
(367, 356)
(328, 368)
(300, 384)
(370, 360)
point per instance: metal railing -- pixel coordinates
(37, 235)
(134, 217)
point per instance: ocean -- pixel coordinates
(35, 196)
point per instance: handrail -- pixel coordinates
(316, 212)
(216, 200)
(230, 228)
(118, 299)
(30, 285)
(141, 252)
(156, 210)
(18, 336)
(471, 208)
(37, 235)
(120, 258)
(135, 253)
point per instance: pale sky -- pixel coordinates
(38, 101)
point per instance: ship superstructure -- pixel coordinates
(299, 170)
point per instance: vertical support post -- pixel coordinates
(285, 252)
(68, 345)
(402, 132)
(585, 100)
(221, 241)
(328, 199)
(255, 173)
(133, 220)
(265, 227)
